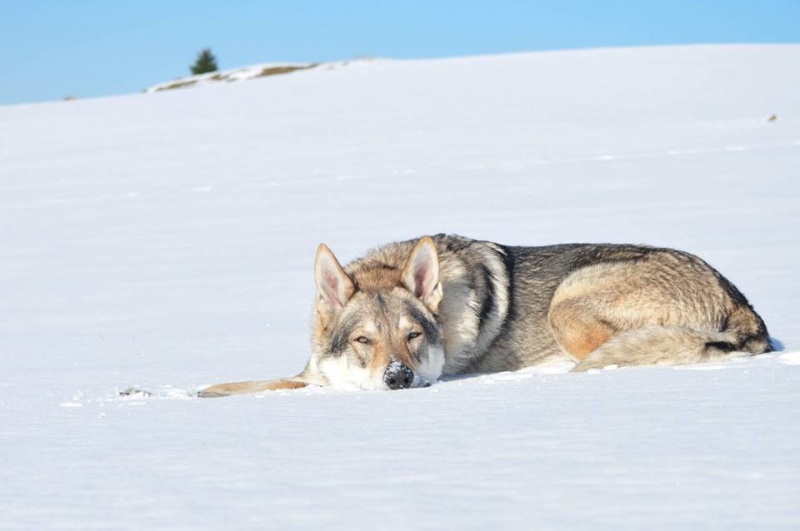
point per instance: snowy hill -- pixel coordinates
(246, 73)
(167, 241)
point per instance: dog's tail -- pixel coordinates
(671, 345)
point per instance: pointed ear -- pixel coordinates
(421, 274)
(334, 286)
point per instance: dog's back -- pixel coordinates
(600, 305)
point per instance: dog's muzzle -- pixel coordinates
(398, 376)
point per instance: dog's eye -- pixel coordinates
(413, 335)
(363, 340)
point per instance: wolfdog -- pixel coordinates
(410, 312)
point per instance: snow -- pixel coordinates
(166, 241)
(248, 73)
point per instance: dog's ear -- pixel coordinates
(334, 285)
(421, 273)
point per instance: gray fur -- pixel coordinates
(492, 308)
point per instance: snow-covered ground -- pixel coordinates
(167, 241)
(246, 73)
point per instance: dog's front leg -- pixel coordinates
(243, 388)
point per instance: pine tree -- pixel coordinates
(205, 63)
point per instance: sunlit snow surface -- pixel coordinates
(166, 241)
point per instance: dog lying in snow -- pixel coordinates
(409, 312)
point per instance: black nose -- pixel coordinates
(398, 376)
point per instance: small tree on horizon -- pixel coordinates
(205, 63)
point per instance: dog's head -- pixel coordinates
(380, 332)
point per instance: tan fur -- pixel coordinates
(378, 280)
(608, 301)
(576, 332)
(489, 307)
(238, 388)
(378, 272)
(659, 345)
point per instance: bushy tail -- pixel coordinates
(668, 345)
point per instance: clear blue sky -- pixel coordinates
(53, 48)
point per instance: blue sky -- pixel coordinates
(53, 48)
